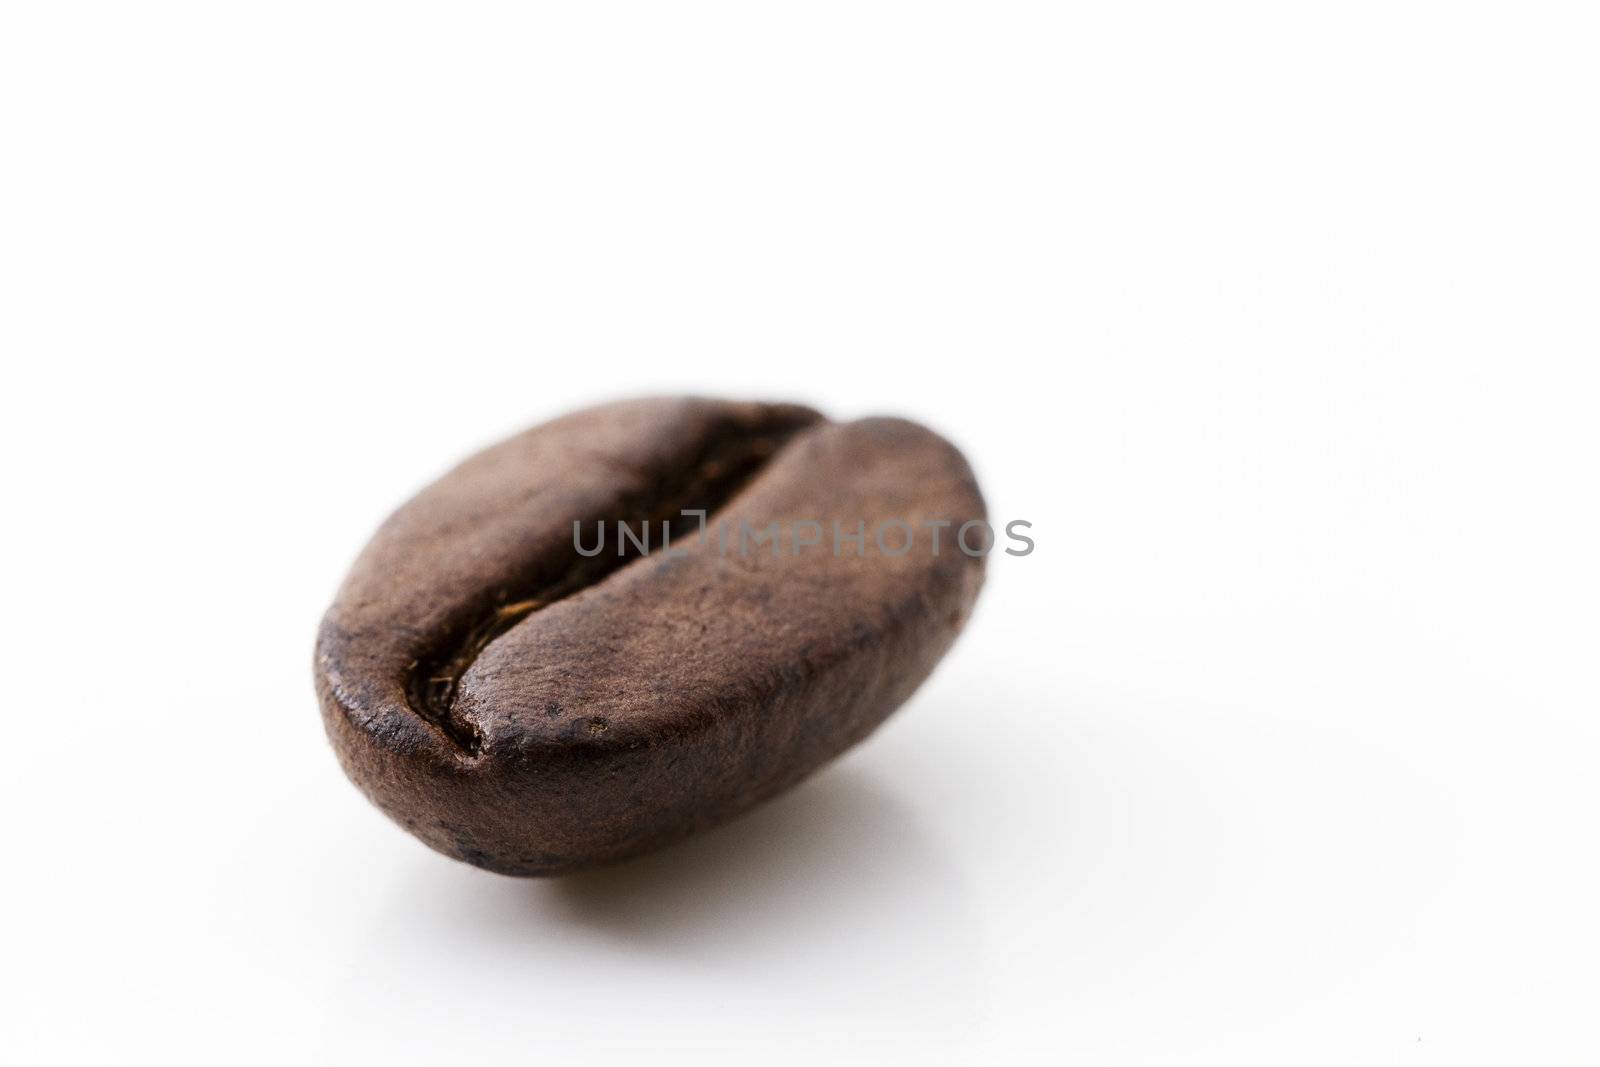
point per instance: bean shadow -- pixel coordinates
(839, 851)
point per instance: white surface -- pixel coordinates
(1278, 321)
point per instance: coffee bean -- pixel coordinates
(525, 703)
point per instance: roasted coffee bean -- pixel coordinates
(522, 702)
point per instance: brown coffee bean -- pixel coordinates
(533, 709)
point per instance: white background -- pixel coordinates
(1277, 320)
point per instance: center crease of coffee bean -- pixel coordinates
(727, 462)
